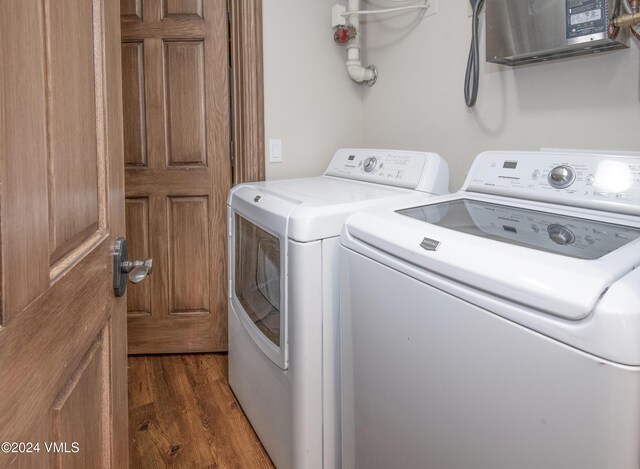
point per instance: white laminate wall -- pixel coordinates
(590, 102)
(310, 103)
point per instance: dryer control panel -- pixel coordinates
(426, 172)
(591, 180)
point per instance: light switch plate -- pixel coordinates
(275, 151)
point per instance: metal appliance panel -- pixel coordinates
(527, 31)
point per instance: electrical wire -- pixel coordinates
(472, 76)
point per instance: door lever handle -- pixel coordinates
(137, 270)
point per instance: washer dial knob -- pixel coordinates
(561, 177)
(561, 234)
(370, 164)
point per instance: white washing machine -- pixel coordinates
(283, 293)
(498, 327)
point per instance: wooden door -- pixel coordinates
(178, 171)
(62, 331)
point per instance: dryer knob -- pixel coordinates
(370, 164)
(561, 177)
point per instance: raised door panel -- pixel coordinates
(189, 255)
(181, 7)
(24, 159)
(131, 10)
(80, 414)
(135, 135)
(185, 102)
(76, 143)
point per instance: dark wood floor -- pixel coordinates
(182, 414)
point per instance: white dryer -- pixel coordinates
(498, 327)
(283, 293)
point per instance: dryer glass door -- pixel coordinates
(258, 287)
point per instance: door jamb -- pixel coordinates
(247, 90)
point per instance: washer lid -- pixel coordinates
(535, 229)
(565, 281)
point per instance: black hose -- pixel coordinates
(472, 77)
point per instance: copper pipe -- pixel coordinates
(613, 31)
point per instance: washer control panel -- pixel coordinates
(407, 169)
(599, 181)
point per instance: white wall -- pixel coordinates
(588, 102)
(309, 101)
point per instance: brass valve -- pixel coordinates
(627, 20)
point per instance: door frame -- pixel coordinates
(247, 90)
